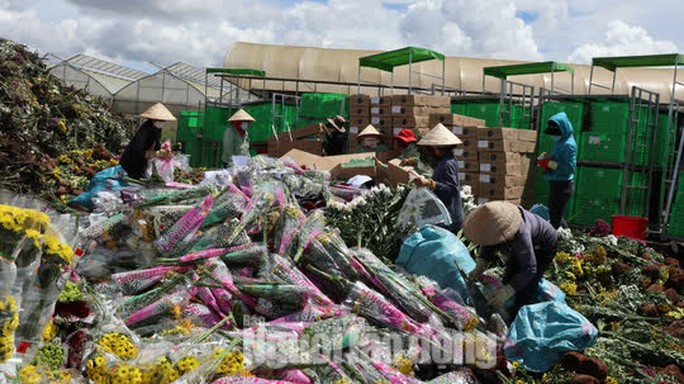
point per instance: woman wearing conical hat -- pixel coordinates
(440, 143)
(527, 241)
(146, 142)
(235, 137)
(369, 140)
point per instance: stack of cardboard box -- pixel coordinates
(359, 117)
(307, 139)
(414, 111)
(381, 115)
(505, 163)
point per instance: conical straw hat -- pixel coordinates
(440, 136)
(492, 223)
(241, 115)
(158, 112)
(368, 131)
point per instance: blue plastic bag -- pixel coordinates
(548, 291)
(542, 333)
(109, 179)
(438, 254)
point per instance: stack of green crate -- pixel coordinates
(597, 195)
(459, 108)
(188, 128)
(321, 105)
(606, 139)
(488, 110)
(575, 112)
(676, 222)
(664, 149)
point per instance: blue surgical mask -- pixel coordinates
(555, 138)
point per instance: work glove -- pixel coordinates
(501, 296)
(423, 182)
(408, 162)
(479, 268)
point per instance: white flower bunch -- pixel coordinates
(468, 199)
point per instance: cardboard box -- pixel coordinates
(468, 178)
(401, 111)
(359, 110)
(346, 173)
(359, 101)
(381, 121)
(499, 157)
(527, 135)
(469, 144)
(397, 174)
(499, 192)
(526, 147)
(501, 168)
(385, 111)
(360, 122)
(411, 121)
(408, 100)
(498, 134)
(465, 154)
(504, 180)
(311, 146)
(326, 163)
(496, 146)
(439, 102)
(454, 120)
(466, 131)
(468, 165)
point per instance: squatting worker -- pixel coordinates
(559, 168)
(336, 138)
(527, 242)
(369, 140)
(235, 137)
(440, 143)
(146, 142)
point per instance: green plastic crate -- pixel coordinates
(487, 111)
(459, 109)
(215, 122)
(609, 117)
(575, 112)
(664, 151)
(590, 208)
(322, 104)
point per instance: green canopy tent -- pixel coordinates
(386, 61)
(236, 73)
(664, 60)
(503, 72)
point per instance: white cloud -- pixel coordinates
(622, 39)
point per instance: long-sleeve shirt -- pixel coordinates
(536, 238)
(234, 144)
(146, 138)
(448, 188)
(564, 152)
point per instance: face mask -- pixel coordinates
(555, 138)
(158, 124)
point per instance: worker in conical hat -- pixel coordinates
(146, 143)
(236, 137)
(370, 140)
(527, 241)
(440, 143)
(335, 135)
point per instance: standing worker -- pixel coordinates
(559, 168)
(527, 241)
(235, 137)
(146, 142)
(369, 141)
(336, 138)
(440, 143)
(406, 143)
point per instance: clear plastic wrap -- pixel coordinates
(423, 207)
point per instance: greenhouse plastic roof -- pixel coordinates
(612, 63)
(386, 61)
(108, 68)
(504, 71)
(192, 74)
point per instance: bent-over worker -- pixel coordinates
(146, 143)
(527, 242)
(440, 143)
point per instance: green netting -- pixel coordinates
(612, 63)
(386, 61)
(322, 105)
(503, 71)
(664, 145)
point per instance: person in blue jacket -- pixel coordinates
(559, 167)
(440, 143)
(526, 241)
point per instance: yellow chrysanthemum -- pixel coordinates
(29, 375)
(568, 287)
(49, 331)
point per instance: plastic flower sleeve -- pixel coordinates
(185, 227)
(290, 219)
(423, 207)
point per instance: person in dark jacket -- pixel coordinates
(146, 142)
(336, 138)
(559, 168)
(440, 143)
(527, 242)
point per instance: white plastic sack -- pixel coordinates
(423, 207)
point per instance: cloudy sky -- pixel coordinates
(135, 32)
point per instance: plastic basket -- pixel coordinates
(630, 226)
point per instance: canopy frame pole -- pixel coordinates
(591, 79)
(677, 160)
(612, 88)
(553, 88)
(501, 101)
(572, 83)
(443, 75)
(410, 68)
(358, 86)
(392, 83)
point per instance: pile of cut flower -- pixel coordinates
(249, 279)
